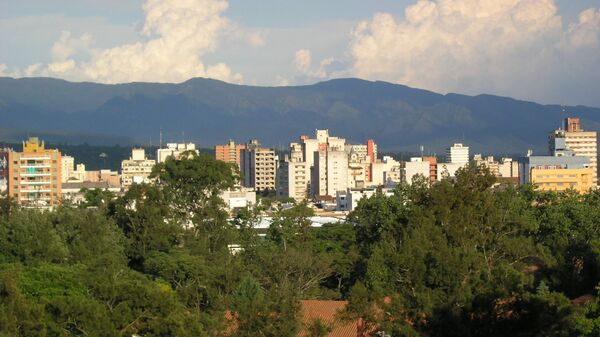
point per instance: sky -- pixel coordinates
(546, 51)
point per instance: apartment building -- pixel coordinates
(293, 175)
(230, 152)
(259, 166)
(67, 168)
(457, 154)
(136, 169)
(174, 151)
(4, 153)
(34, 175)
(413, 168)
(582, 143)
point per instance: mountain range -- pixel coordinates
(208, 112)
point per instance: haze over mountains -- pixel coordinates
(208, 112)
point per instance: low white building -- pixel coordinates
(239, 198)
(347, 200)
(416, 166)
(448, 170)
(174, 150)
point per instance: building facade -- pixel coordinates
(67, 168)
(230, 152)
(557, 173)
(293, 175)
(582, 143)
(136, 169)
(35, 178)
(173, 151)
(415, 167)
(457, 154)
(259, 166)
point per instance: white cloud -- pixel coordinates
(3, 68)
(513, 47)
(67, 46)
(176, 35)
(303, 60)
(307, 73)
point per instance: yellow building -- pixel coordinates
(35, 175)
(580, 179)
(582, 143)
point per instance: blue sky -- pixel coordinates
(532, 49)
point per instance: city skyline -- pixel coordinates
(542, 50)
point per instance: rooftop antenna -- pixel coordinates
(422, 148)
(182, 137)
(161, 137)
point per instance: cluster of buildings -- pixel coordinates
(323, 168)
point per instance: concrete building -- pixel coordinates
(35, 178)
(557, 173)
(230, 152)
(174, 150)
(136, 169)
(457, 154)
(582, 143)
(348, 199)
(239, 198)
(72, 192)
(4, 153)
(79, 174)
(67, 168)
(414, 167)
(433, 174)
(293, 175)
(448, 170)
(259, 166)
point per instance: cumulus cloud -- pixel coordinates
(176, 35)
(303, 60)
(306, 72)
(513, 47)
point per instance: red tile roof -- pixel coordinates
(328, 313)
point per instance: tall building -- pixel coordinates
(4, 153)
(582, 143)
(67, 168)
(325, 164)
(173, 151)
(136, 169)
(258, 166)
(230, 152)
(34, 178)
(457, 154)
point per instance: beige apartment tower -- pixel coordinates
(35, 179)
(137, 169)
(258, 166)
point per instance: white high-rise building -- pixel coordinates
(457, 154)
(174, 150)
(67, 167)
(330, 173)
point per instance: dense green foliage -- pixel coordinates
(459, 258)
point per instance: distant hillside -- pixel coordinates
(209, 112)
